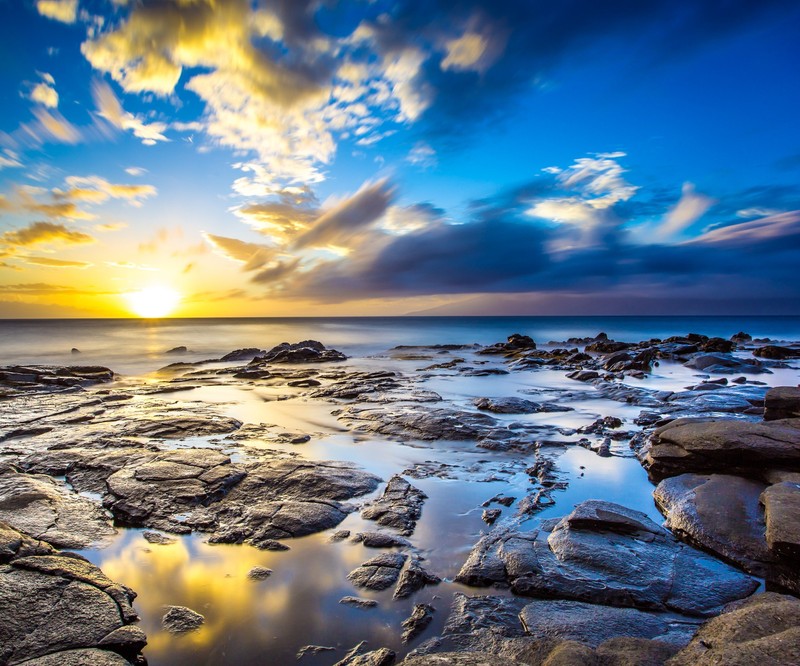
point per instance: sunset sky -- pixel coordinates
(237, 158)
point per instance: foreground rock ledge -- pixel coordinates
(59, 608)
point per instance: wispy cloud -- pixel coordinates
(110, 109)
(44, 232)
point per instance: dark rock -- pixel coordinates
(721, 514)
(698, 445)
(313, 650)
(421, 616)
(777, 353)
(506, 405)
(515, 343)
(183, 427)
(782, 517)
(358, 602)
(490, 515)
(379, 572)
(589, 556)
(741, 337)
(74, 350)
(583, 375)
(717, 345)
(246, 354)
(359, 656)
(80, 657)
(379, 540)
(259, 573)
(723, 363)
(400, 506)
(764, 629)
(417, 422)
(607, 346)
(462, 659)
(177, 350)
(782, 402)
(412, 579)
(307, 351)
(157, 538)
(179, 619)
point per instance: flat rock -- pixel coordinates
(782, 402)
(179, 619)
(183, 427)
(506, 405)
(702, 445)
(53, 603)
(87, 657)
(761, 630)
(603, 553)
(358, 602)
(380, 540)
(776, 352)
(46, 509)
(417, 422)
(400, 506)
(782, 517)
(379, 572)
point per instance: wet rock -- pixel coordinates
(490, 515)
(417, 422)
(183, 427)
(774, 352)
(45, 377)
(724, 364)
(357, 384)
(44, 508)
(87, 657)
(589, 556)
(698, 445)
(179, 619)
(460, 659)
(506, 405)
(358, 602)
(782, 402)
(246, 354)
(515, 343)
(52, 603)
(307, 351)
(583, 375)
(400, 506)
(741, 337)
(721, 514)
(360, 656)
(313, 650)
(413, 578)
(607, 346)
(340, 535)
(421, 616)
(379, 540)
(764, 629)
(158, 538)
(379, 572)
(782, 517)
(259, 573)
(592, 624)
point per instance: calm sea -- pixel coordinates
(132, 346)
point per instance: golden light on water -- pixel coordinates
(153, 302)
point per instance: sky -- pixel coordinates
(204, 158)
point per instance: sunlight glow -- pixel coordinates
(153, 302)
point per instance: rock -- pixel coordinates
(74, 350)
(764, 629)
(506, 405)
(741, 337)
(515, 343)
(313, 650)
(246, 354)
(177, 350)
(418, 422)
(782, 517)
(603, 553)
(379, 572)
(359, 656)
(723, 363)
(52, 377)
(400, 506)
(607, 346)
(259, 573)
(721, 514)
(421, 616)
(340, 535)
(460, 659)
(629, 651)
(699, 445)
(307, 351)
(179, 619)
(775, 352)
(88, 657)
(583, 375)
(782, 402)
(157, 538)
(52, 604)
(358, 602)
(490, 515)
(44, 508)
(183, 427)
(413, 578)
(379, 540)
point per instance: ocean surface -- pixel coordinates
(137, 346)
(267, 622)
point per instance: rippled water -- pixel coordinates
(266, 622)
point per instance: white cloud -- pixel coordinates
(9, 160)
(44, 93)
(422, 155)
(135, 171)
(65, 11)
(465, 52)
(110, 109)
(690, 208)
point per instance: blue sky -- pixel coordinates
(320, 158)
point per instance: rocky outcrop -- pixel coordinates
(417, 422)
(400, 506)
(47, 377)
(183, 427)
(782, 402)
(360, 656)
(59, 606)
(307, 351)
(606, 554)
(723, 514)
(703, 445)
(775, 352)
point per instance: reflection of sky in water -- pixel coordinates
(257, 622)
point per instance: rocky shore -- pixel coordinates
(87, 456)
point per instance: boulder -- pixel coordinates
(379, 572)
(782, 517)
(606, 554)
(700, 445)
(307, 351)
(774, 352)
(782, 402)
(179, 620)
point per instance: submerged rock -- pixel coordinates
(603, 553)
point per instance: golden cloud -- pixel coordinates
(44, 232)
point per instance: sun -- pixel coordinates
(153, 302)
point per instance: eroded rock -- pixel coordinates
(400, 506)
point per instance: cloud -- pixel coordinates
(54, 263)
(690, 208)
(135, 171)
(44, 232)
(422, 155)
(95, 189)
(110, 109)
(252, 255)
(56, 126)
(348, 218)
(9, 160)
(44, 92)
(65, 11)
(776, 227)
